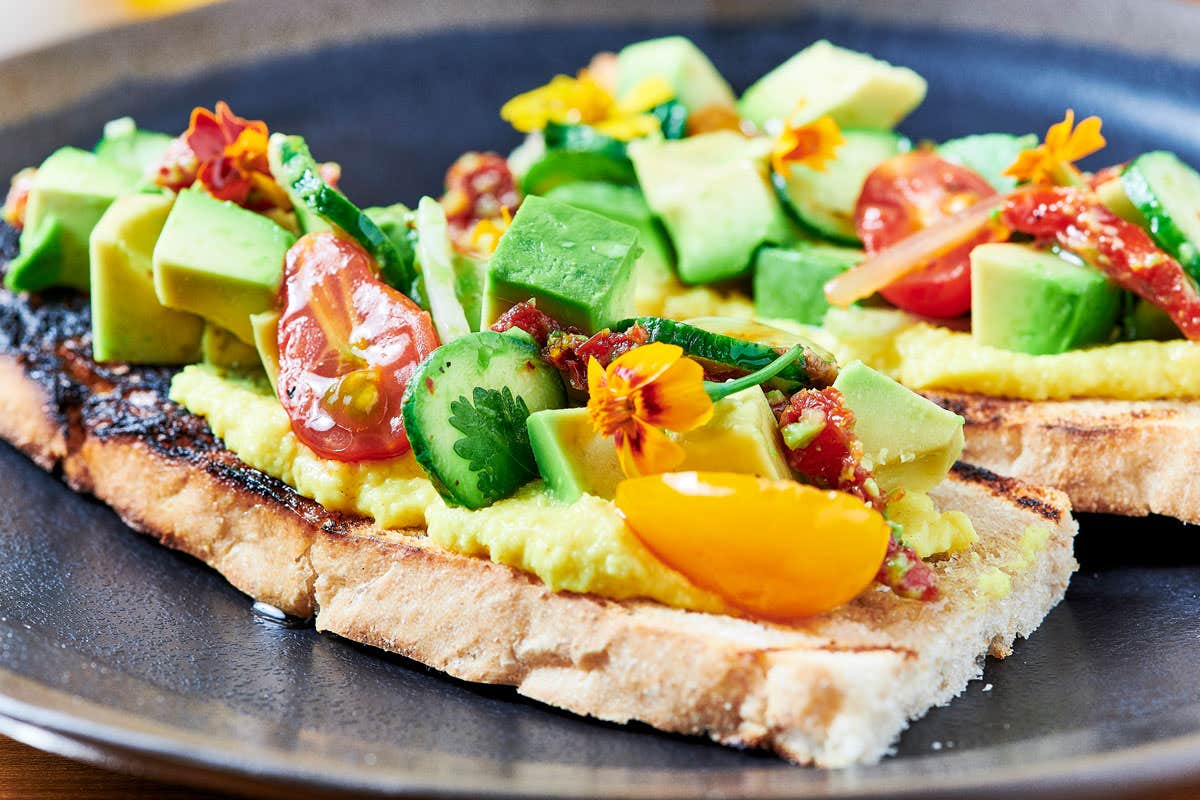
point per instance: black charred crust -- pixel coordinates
(50, 336)
(1009, 488)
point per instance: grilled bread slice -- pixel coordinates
(1108, 456)
(833, 691)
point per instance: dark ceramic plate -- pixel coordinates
(116, 650)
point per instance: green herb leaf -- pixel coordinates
(495, 441)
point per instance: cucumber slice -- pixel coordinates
(437, 268)
(582, 139)
(1167, 193)
(824, 201)
(465, 412)
(989, 154)
(294, 167)
(557, 167)
(741, 346)
(672, 116)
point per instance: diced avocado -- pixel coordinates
(571, 456)
(1144, 320)
(790, 283)
(680, 63)
(128, 322)
(266, 341)
(1112, 194)
(1031, 301)
(221, 348)
(135, 150)
(561, 167)
(689, 183)
(988, 154)
(577, 265)
(742, 436)
(220, 261)
(911, 441)
(71, 191)
(858, 91)
(626, 204)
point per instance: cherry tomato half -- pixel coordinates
(912, 191)
(348, 344)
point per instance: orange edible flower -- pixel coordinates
(227, 155)
(1053, 161)
(485, 236)
(643, 391)
(813, 144)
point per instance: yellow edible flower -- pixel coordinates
(641, 392)
(813, 144)
(485, 236)
(1053, 161)
(584, 101)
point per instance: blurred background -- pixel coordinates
(29, 24)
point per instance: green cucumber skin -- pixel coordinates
(453, 371)
(299, 174)
(718, 348)
(807, 210)
(1139, 180)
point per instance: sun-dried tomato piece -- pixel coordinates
(818, 432)
(530, 319)
(905, 573)
(478, 186)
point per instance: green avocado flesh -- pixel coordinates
(71, 191)
(790, 283)
(912, 441)
(1036, 302)
(681, 64)
(577, 266)
(219, 261)
(128, 322)
(135, 150)
(689, 183)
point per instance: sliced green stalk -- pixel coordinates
(437, 267)
(719, 391)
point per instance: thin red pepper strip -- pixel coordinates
(1076, 219)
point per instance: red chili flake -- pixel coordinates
(831, 457)
(905, 573)
(478, 186)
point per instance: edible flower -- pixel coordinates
(647, 389)
(813, 144)
(584, 101)
(225, 154)
(18, 197)
(1053, 161)
(485, 236)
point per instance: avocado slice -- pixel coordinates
(577, 265)
(220, 261)
(222, 349)
(128, 322)
(789, 283)
(689, 183)
(742, 436)
(678, 61)
(1031, 301)
(912, 441)
(858, 91)
(266, 341)
(71, 191)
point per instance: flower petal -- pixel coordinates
(1059, 134)
(676, 400)
(629, 126)
(1085, 140)
(645, 95)
(642, 365)
(644, 450)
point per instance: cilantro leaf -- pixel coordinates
(495, 441)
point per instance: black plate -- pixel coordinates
(116, 650)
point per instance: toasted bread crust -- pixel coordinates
(832, 690)
(1109, 456)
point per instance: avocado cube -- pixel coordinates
(220, 261)
(675, 59)
(136, 150)
(911, 441)
(858, 91)
(71, 191)
(742, 436)
(222, 349)
(689, 183)
(577, 265)
(266, 341)
(1031, 301)
(128, 322)
(790, 283)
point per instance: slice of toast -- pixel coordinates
(833, 691)
(1108, 456)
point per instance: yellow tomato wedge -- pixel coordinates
(776, 549)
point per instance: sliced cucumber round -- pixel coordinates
(741, 347)
(465, 411)
(824, 201)
(1167, 193)
(988, 154)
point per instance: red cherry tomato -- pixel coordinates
(348, 344)
(905, 194)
